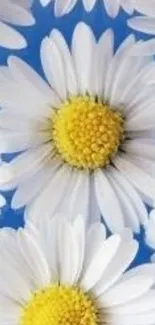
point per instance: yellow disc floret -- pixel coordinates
(59, 305)
(86, 132)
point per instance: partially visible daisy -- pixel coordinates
(150, 233)
(5, 176)
(86, 140)
(62, 273)
(150, 230)
(112, 6)
(16, 12)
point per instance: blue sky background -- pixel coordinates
(45, 22)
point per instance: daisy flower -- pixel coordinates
(62, 273)
(16, 12)
(86, 139)
(146, 23)
(112, 6)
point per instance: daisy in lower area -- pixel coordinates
(112, 6)
(86, 142)
(16, 12)
(61, 273)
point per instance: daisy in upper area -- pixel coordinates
(61, 273)
(16, 12)
(86, 140)
(146, 23)
(112, 6)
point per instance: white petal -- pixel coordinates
(143, 24)
(145, 8)
(134, 196)
(83, 47)
(140, 305)
(20, 141)
(53, 66)
(147, 47)
(142, 120)
(64, 7)
(124, 256)
(30, 188)
(104, 54)
(125, 74)
(77, 198)
(80, 236)
(147, 269)
(94, 210)
(2, 201)
(141, 180)
(112, 7)
(142, 319)
(108, 202)
(5, 174)
(25, 75)
(126, 291)
(140, 147)
(128, 209)
(100, 262)
(89, 4)
(15, 13)
(28, 164)
(10, 38)
(153, 258)
(55, 190)
(27, 4)
(94, 240)
(146, 164)
(69, 254)
(45, 2)
(150, 230)
(13, 283)
(34, 258)
(127, 6)
(72, 87)
(43, 236)
(121, 53)
(13, 121)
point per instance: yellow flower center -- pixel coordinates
(60, 305)
(86, 132)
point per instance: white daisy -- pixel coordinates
(88, 138)
(62, 273)
(146, 23)
(16, 12)
(112, 6)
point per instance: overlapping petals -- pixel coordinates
(41, 176)
(31, 260)
(15, 12)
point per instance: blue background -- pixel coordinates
(45, 21)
